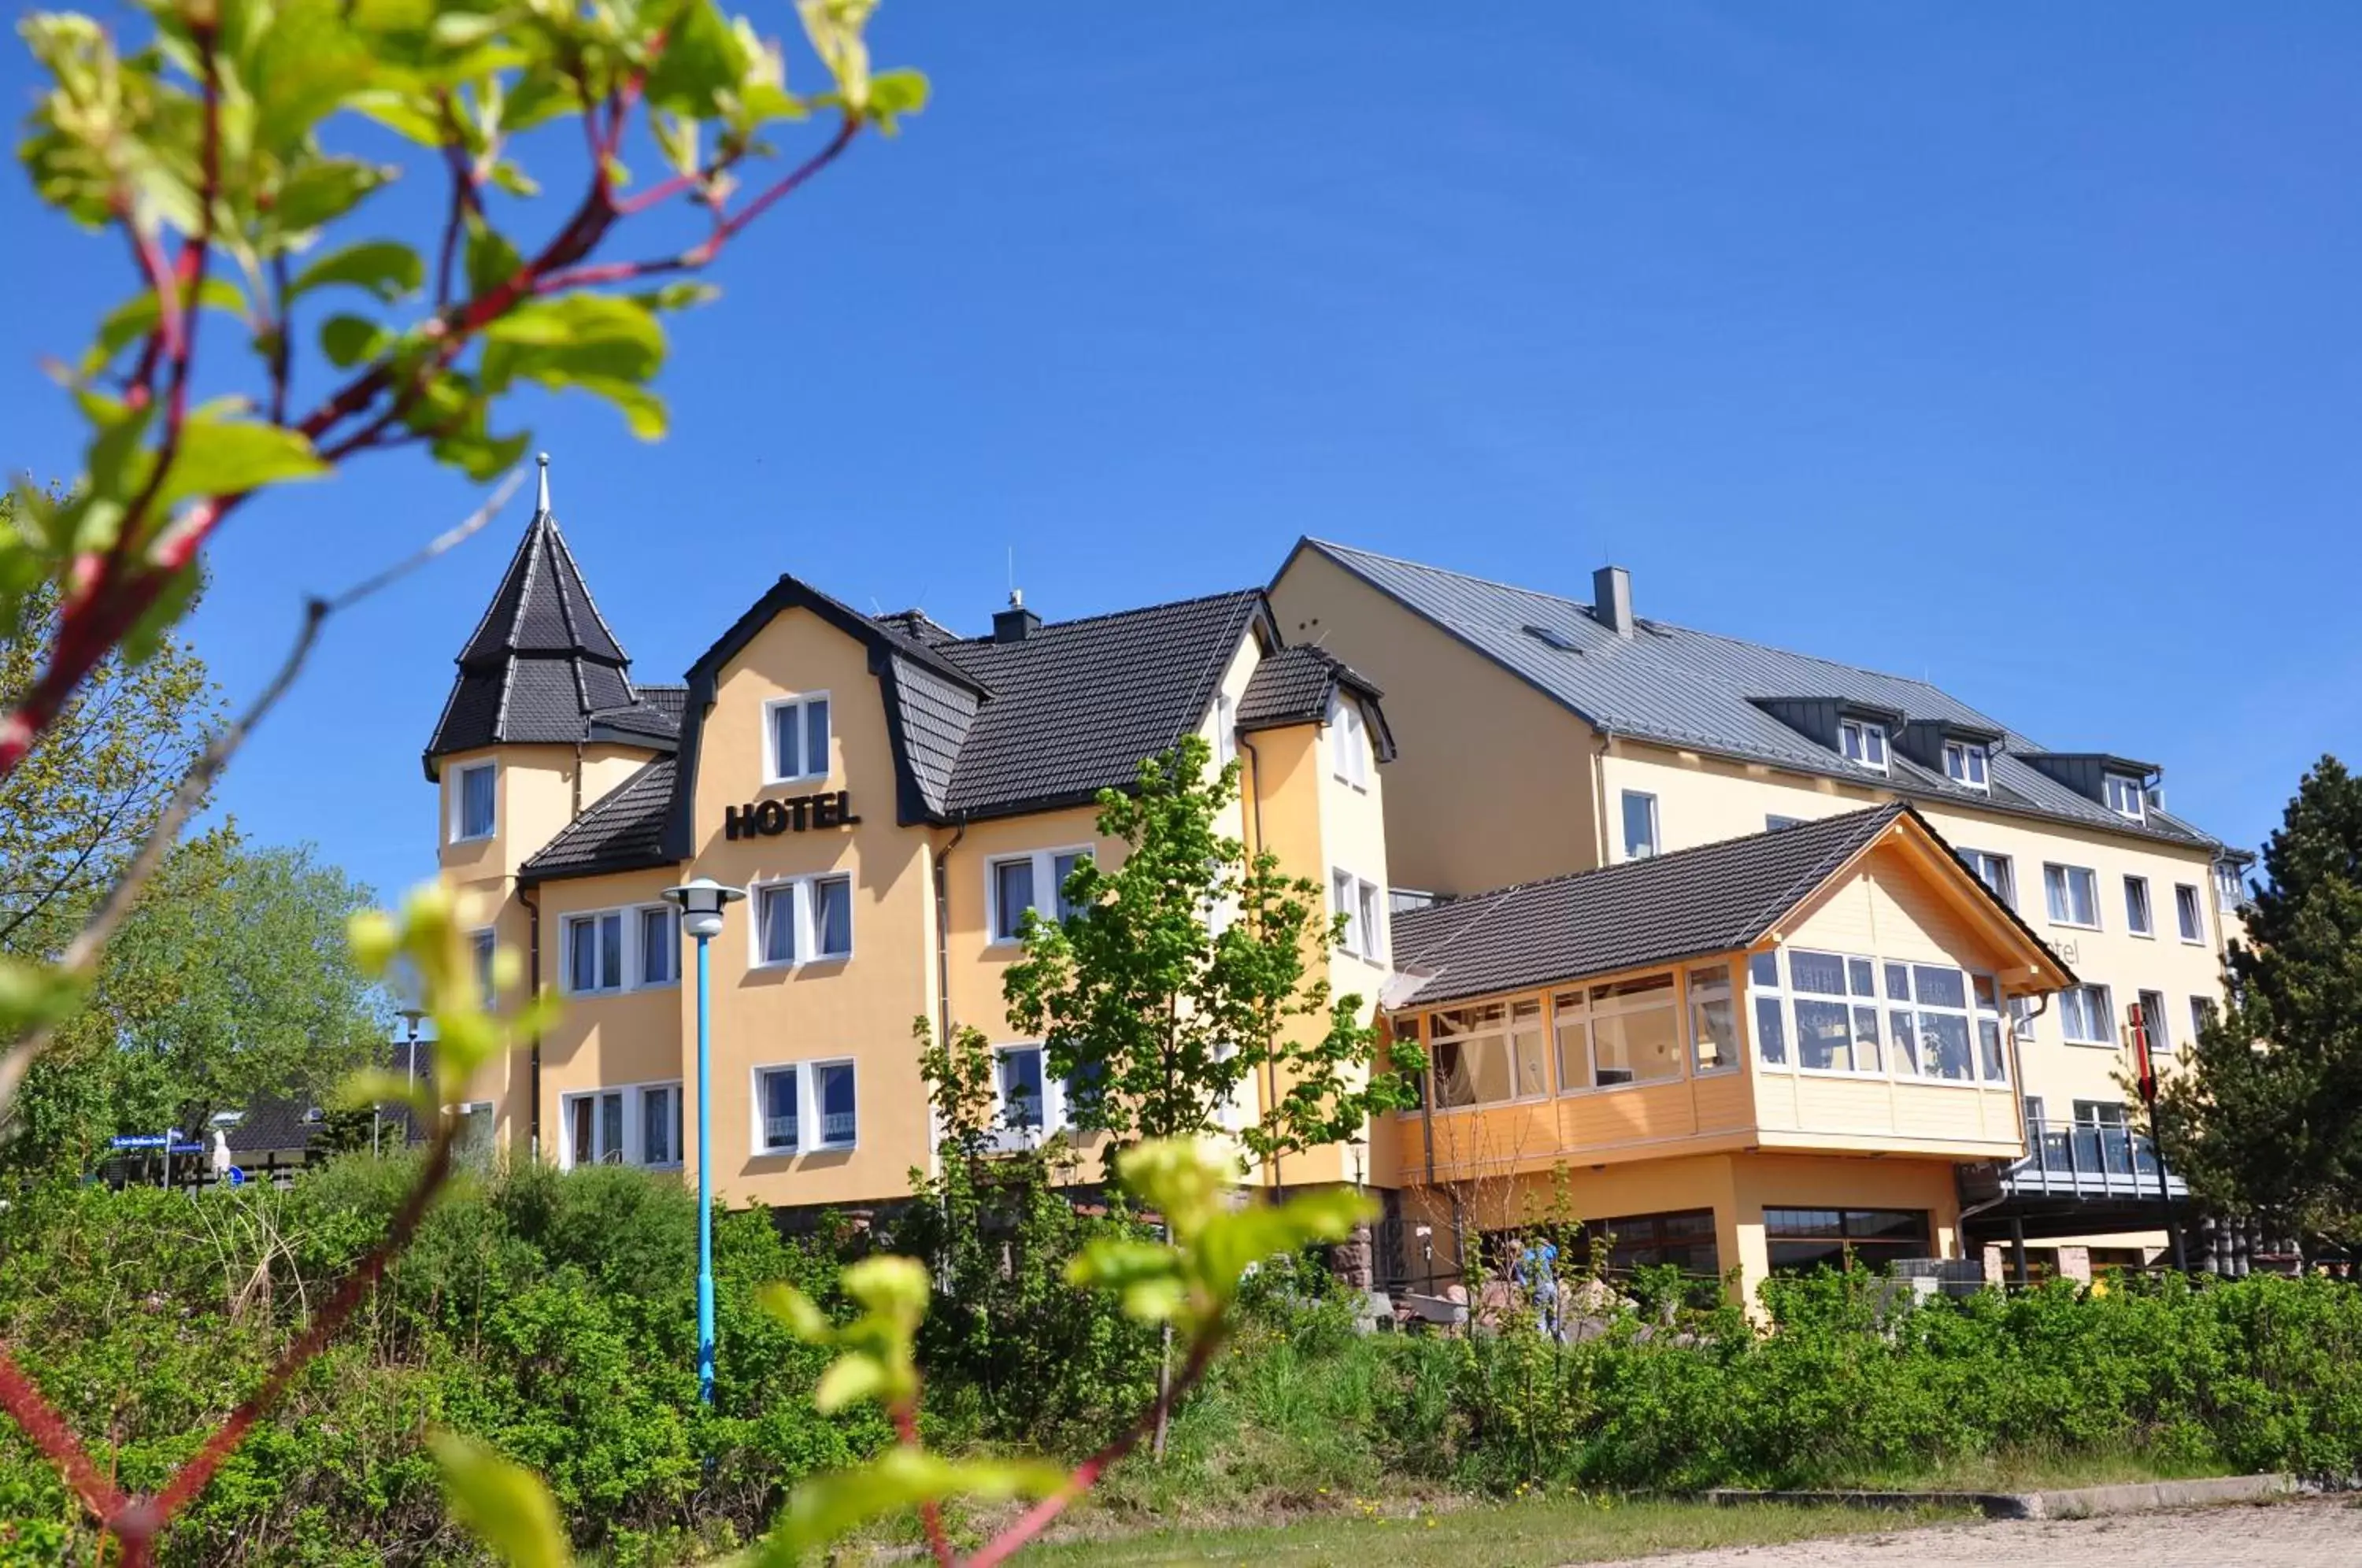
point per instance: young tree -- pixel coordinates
(73, 812)
(2267, 1118)
(231, 979)
(1181, 976)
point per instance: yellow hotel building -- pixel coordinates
(1748, 960)
(894, 797)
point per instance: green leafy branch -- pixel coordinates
(204, 149)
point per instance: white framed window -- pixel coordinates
(2137, 915)
(1863, 741)
(1226, 731)
(1714, 1020)
(2087, 1016)
(658, 960)
(1771, 1010)
(1020, 1089)
(1995, 872)
(472, 1143)
(1014, 884)
(1965, 763)
(474, 809)
(1349, 742)
(481, 945)
(2160, 1033)
(779, 1106)
(2230, 892)
(802, 1108)
(1363, 903)
(2072, 893)
(795, 738)
(2186, 914)
(1834, 1000)
(1640, 825)
(803, 920)
(1940, 1023)
(2202, 1013)
(1622, 1032)
(834, 1104)
(614, 950)
(594, 952)
(1486, 1055)
(630, 1124)
(2123, 793)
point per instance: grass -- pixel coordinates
(1532, 1534)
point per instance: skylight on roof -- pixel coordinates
(1550, 637)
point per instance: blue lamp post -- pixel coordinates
(702, 902)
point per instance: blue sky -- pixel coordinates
(2017, 347)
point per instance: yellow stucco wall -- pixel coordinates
(1494, 783)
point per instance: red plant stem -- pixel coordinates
(108, 598)
(1038, 1518)
(50, 1434)
(723, 232)
(906, 1426)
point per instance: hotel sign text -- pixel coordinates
(791, 813)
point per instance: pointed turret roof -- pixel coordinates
(542, 661)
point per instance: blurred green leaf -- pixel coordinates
(703, 58)
(505, 1505)
(308, 61)
(221, 459)
(644, 412)
(893, 94)
(409, 115)
(386, 267)
(348, 340)
(33, 996)
(137, 318)
(324, 190)
(826, 1506)
(146, 634)
(491, 259)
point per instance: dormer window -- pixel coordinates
(1965, 764)
(798, 741)
(1349, 742)
(2123, 793)
(1863, 741)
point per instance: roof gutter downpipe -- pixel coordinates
(2017, 1071)
(943, 958)
(1253, 803)
(1600, 742)
(527, 892)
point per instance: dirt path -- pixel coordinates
(2297, 1534)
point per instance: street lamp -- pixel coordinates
(702, 902)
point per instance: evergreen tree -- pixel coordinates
(2266, 1118)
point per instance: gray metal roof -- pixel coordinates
(1718, 898)
(1700, 691)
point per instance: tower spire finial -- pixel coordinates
(542, 503)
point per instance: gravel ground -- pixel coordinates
(2299, 1533)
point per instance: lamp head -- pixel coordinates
(702, 901)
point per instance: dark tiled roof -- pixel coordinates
(621, 831)
(1294, 686)
(541, 660)
(1714, 899)
(1076, 706)
(1697, 691)
(932, 716)
(919, 625)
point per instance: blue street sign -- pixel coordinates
(137, 1140)
(186, 1149)
(237, 1177)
